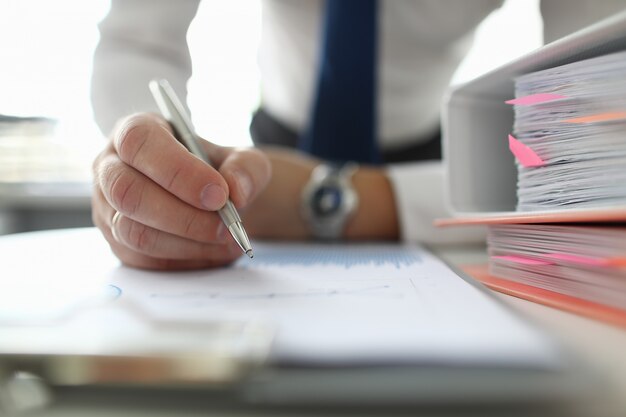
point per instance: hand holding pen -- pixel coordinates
(174, 112)
(157, 204)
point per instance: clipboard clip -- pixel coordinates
(22, 392)
(118, 344)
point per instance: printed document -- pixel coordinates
(329, 304)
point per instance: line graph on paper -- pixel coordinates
(200, 297)
(329, 255)
(292, 275)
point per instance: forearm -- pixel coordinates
(376, 217)
(278, 214)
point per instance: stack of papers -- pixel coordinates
(568, 135)
(582, 261)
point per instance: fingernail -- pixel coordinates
(245, 184)
(213, 197)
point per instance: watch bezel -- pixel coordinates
(333, 176)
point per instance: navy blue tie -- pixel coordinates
(343, 118)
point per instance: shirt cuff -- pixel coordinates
(420, 199)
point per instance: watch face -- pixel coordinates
(326, 201)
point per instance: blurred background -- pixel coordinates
(47, 134)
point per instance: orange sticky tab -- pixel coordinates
(534, 99)
(616, 262)
(595, 118)
(524, 154)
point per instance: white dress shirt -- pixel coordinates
(421, 43)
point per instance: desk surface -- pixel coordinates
(598, 345)
(601, 345)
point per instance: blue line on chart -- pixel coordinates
(199, 296)
(347, 257)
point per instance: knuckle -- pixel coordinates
(259, 156)
(190, 224)
(132, 137)
(125, 191)
(255, 163)
(141, 237)
(199, 226)
(99, 162)
(174, 176)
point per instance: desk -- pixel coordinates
(599, 345)
(44, 205)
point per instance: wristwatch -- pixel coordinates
(329, 200)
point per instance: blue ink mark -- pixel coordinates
(113, 292)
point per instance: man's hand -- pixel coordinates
(156, 203)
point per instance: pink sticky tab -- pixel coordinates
(534, 99)
(582, 260)
(525, 155)
(521, 260)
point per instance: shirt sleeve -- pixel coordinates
(419, 190)
(562, 17)
(139, 40)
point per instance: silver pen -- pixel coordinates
(174, 112)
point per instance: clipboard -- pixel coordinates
(83, 348)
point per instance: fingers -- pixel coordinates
(156, 203)
(137, 197)
(146, 143)
(157, 243)
(140, 246)
(247, 172)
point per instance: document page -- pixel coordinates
(335, 304)
(327, 304)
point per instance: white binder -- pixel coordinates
(481, 182)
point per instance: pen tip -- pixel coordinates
(250, 253)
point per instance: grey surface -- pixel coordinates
(31, 219)
(42, 206)
(140, 403)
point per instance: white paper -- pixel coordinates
(584, 163)
(329, 304)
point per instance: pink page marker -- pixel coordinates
(582, 260)
(522, 260)
(534, 99)
(525, 155)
